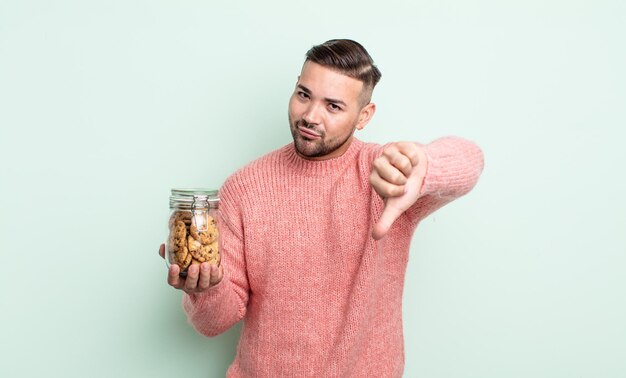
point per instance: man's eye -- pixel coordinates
(334, 106)
(303, 94)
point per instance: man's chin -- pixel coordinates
(306, 148)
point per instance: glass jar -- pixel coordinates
(193, 236)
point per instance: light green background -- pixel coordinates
(105, 106)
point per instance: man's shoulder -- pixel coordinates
(369, 148)
(258, 168)
(368, 152)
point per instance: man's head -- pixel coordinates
(332, 98)
(349, 58)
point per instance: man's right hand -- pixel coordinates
(199, 277)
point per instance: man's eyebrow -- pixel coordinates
(334, 101)
(304, 89)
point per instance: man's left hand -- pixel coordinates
(397, 176)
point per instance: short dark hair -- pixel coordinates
(349, 58)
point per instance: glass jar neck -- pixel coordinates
(190, 199)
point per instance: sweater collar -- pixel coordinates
(320, 167)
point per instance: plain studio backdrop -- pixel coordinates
(107, 105)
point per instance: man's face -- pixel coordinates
(324, 111)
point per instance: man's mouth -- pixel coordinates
(308, 133)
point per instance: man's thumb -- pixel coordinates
(389, 215)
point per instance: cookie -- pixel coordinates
(193, 244)
(205, 237)
(212, 261)
(184, 263)
(205, 252)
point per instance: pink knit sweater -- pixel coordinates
(318, 295)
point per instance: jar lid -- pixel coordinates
(183, 198)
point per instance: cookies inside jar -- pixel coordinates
(193, 239)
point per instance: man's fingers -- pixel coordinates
(217, 273)
(389, 215)
(384, 188)
(199, 277)
(410, 151)
(205, 276)
(192, 278)
(162, 250)
(173, 278)
(387, 171)
(398, 159)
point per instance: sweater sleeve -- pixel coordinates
(454, 166)
(221, 306)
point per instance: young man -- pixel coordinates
(315, 235)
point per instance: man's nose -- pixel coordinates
(312, 114)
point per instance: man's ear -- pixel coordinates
(365, 115)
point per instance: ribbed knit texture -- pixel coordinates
(318, 295)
